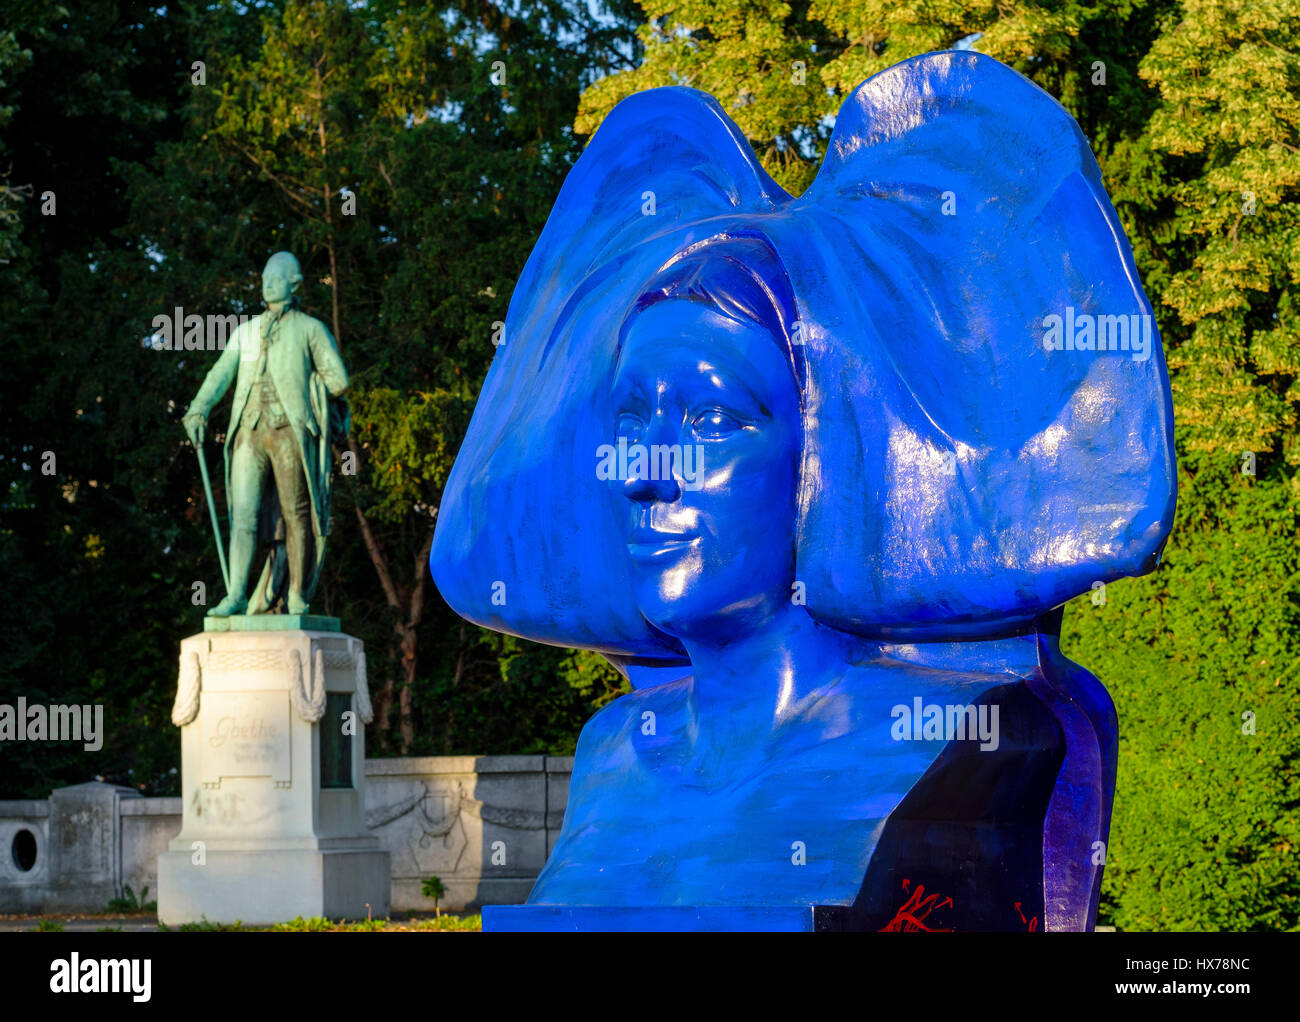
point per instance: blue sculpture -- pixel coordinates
(817, 474)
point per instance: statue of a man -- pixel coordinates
(287, 375)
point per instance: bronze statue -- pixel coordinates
(289, 381)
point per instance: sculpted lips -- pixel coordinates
(645, 544)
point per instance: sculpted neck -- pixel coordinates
(750, 684)
(758, 678)
(1019, 654)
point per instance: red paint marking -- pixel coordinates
(915, 911)
(1031, 923)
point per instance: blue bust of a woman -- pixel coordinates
(817, 474)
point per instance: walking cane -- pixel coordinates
(212, 510)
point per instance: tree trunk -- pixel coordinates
(407, 723)
(408, 602)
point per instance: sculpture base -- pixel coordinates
(272, 623)
(666, 919)
(263, 887)
(273, 779)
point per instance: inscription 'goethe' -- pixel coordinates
(251, 733)
(246, 734)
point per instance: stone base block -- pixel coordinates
(271, 623)
(259, 888)
(666, 919)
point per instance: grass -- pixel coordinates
(446, 923)
(401, 922)
(203, 926)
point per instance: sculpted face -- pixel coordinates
(277, 280)
(709, 513)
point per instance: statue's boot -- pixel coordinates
(242, 546)
(231, 605)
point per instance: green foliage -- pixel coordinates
(127, 902)
(1201, 660)
(1228, 132)
(319, 925)
(409, 441)
(746, 53)
(49, 926)
(84, 551)
(300, 925)
(1205, 833)
(498, 680)
(781, 70)
(171, 194)
(433, 887)
(453, 923)
(448, 923)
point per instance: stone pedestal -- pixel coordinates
(85, 845)
(272, 774)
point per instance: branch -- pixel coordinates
(283, 187)
(372, 544)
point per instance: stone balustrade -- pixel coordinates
(483, 824)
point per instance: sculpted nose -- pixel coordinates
(651, 490)
(649, 472)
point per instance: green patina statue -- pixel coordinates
(289, 381)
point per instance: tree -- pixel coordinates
(1228, 132)
(1204, 673)
(106, 562)
(384, 146)
(92, 594)
(432, 887)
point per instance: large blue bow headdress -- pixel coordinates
(971, 458)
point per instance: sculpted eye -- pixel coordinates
(629, 425)
(715, 424)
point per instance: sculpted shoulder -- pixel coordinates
(864, 698)
(616, 721)
(307, 324)
(248, 333)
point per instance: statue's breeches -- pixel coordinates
(256, 451)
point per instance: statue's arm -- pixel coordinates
(219, 378)
(325, 356)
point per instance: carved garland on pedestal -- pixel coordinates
(186, 706)
(308, 704)
(306, 695)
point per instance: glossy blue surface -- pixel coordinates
(874, 472)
